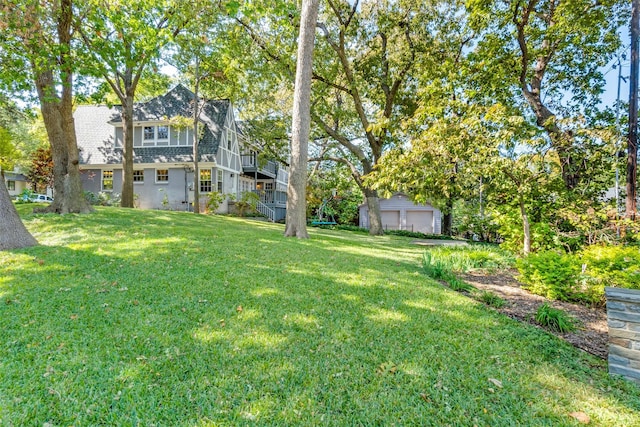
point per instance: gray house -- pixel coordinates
(163, 153)
(400, 213)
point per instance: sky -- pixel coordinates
(611, 74)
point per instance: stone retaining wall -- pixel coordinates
(623, 316)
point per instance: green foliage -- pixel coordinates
(439, 270)
(456, 284)
(40, 172)
(102, 198)
(434, 268)
(247, 203)
(418, 235)
(332, 193)
(581, 277)
(551, 274)
(543, 238)
(25, 196)
(246, 327)
(462, 258)
(617, 266)
(214, 200)
(470, 223)
(344, 227)
(554, 319)
(491, 299)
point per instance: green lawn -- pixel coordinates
(129, 317)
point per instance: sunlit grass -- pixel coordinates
(128, 317)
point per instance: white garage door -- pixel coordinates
(422, 221)
(390, 219)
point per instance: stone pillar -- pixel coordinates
(623, 317)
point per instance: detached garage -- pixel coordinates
(400, 213)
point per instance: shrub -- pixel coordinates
(25, 196)
(491, 299)
(552, 275)
(214, 200)
(612, 266)
(102, 198)
(554, 319)
(247, 203)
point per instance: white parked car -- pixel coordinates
(41, 198)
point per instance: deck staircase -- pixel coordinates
(266, 211)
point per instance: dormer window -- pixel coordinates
(154, 136)
(163, 132)
(149, 133)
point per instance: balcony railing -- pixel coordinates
(250, 163)
(271, 197)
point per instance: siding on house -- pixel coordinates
(99, 132)
(15, 182)
(400, 213)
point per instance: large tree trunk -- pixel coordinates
(447, 220)
(13, 233)
(57, 114)
(296, 219)
(375, 219)
(126, 200)
(632, 143)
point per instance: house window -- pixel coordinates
(163, 132)
(149, 133)
(11, 185)
(138, 176)
(229, 139)
(162, 175)
(154, 136)
(220, 175)
(205, 181)
(107, 180)
(268, 185)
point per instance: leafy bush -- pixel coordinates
(554, 319)
(214, 200)
(102, 198)
(491, 299)
(247, 203)
(552, 275)
(25, 196)
(612, 265)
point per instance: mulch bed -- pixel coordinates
(592, 333)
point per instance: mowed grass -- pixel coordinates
(129, 317)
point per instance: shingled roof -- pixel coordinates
(95, 129)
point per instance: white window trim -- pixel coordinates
(138, 182)
(156, 176)
(210, 180)
(220, 180)
(102, 179)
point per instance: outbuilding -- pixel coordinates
(400, 213)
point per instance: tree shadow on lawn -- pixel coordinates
(178, 334)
